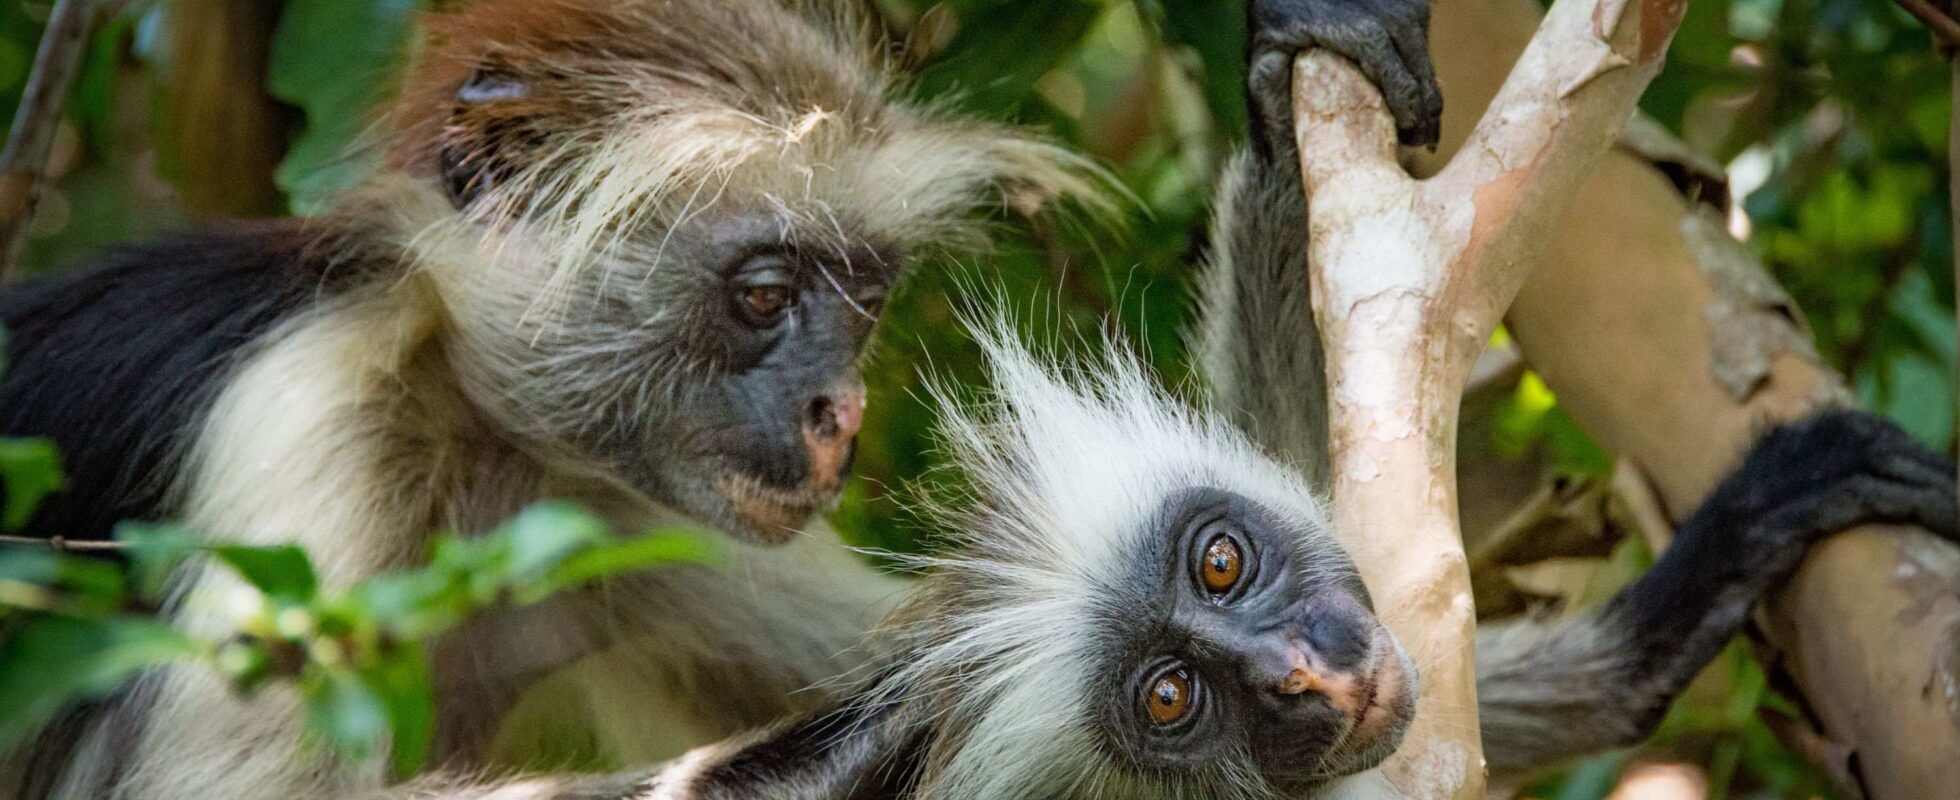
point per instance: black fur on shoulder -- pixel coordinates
(118, 359)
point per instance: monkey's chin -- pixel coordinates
(1377, 728)
(770, 516)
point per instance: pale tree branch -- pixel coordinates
(1665, 339)
(1409, 280)
(24, 162)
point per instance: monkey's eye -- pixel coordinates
(1167, 697)
(1221, 565)
(762, 305)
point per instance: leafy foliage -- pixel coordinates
(75, 631)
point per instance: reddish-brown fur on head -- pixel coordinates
(617, 116)
(588, 61)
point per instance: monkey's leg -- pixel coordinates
(1548, 692)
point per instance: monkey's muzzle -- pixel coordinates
(828, 427)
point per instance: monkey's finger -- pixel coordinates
(1911, 464)
(1368, 44)
(1872, 499)
(1424, 126)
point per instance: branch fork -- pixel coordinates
(1410, 277)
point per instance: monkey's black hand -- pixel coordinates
(1388, 39)
(1826, 473)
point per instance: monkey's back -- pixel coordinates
(117, 359)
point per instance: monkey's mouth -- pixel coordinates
(772, 514)
(1381, 713)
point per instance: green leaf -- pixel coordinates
(415, 604)
(666, 547)
(94, 95)
(403, 684)
(154, 550)
(1216, 32)
(36, 566)
(334, 59)
(49, 662)
(345, 711)
(546, 533)
(1916, 392)
(30, 469)
(282, 572)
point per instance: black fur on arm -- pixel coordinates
(1549, 692)
(1257, 342)
(117, 360)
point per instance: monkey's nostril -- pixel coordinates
(817, 418)
(834, 418)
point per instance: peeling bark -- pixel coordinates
(1409, 280)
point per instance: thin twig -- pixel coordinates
(1943, 26)
(24, 162)
(63, 544)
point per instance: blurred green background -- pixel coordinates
(1831, 115)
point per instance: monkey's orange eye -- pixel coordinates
(763, 304)
(1168, 697)
(1221, 566)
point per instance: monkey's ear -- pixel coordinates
(487, 131)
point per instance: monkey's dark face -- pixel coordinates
(712, 368)
(759, 433)
(1255, 641)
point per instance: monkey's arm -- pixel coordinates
(1551, 691)
(1257, 341)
